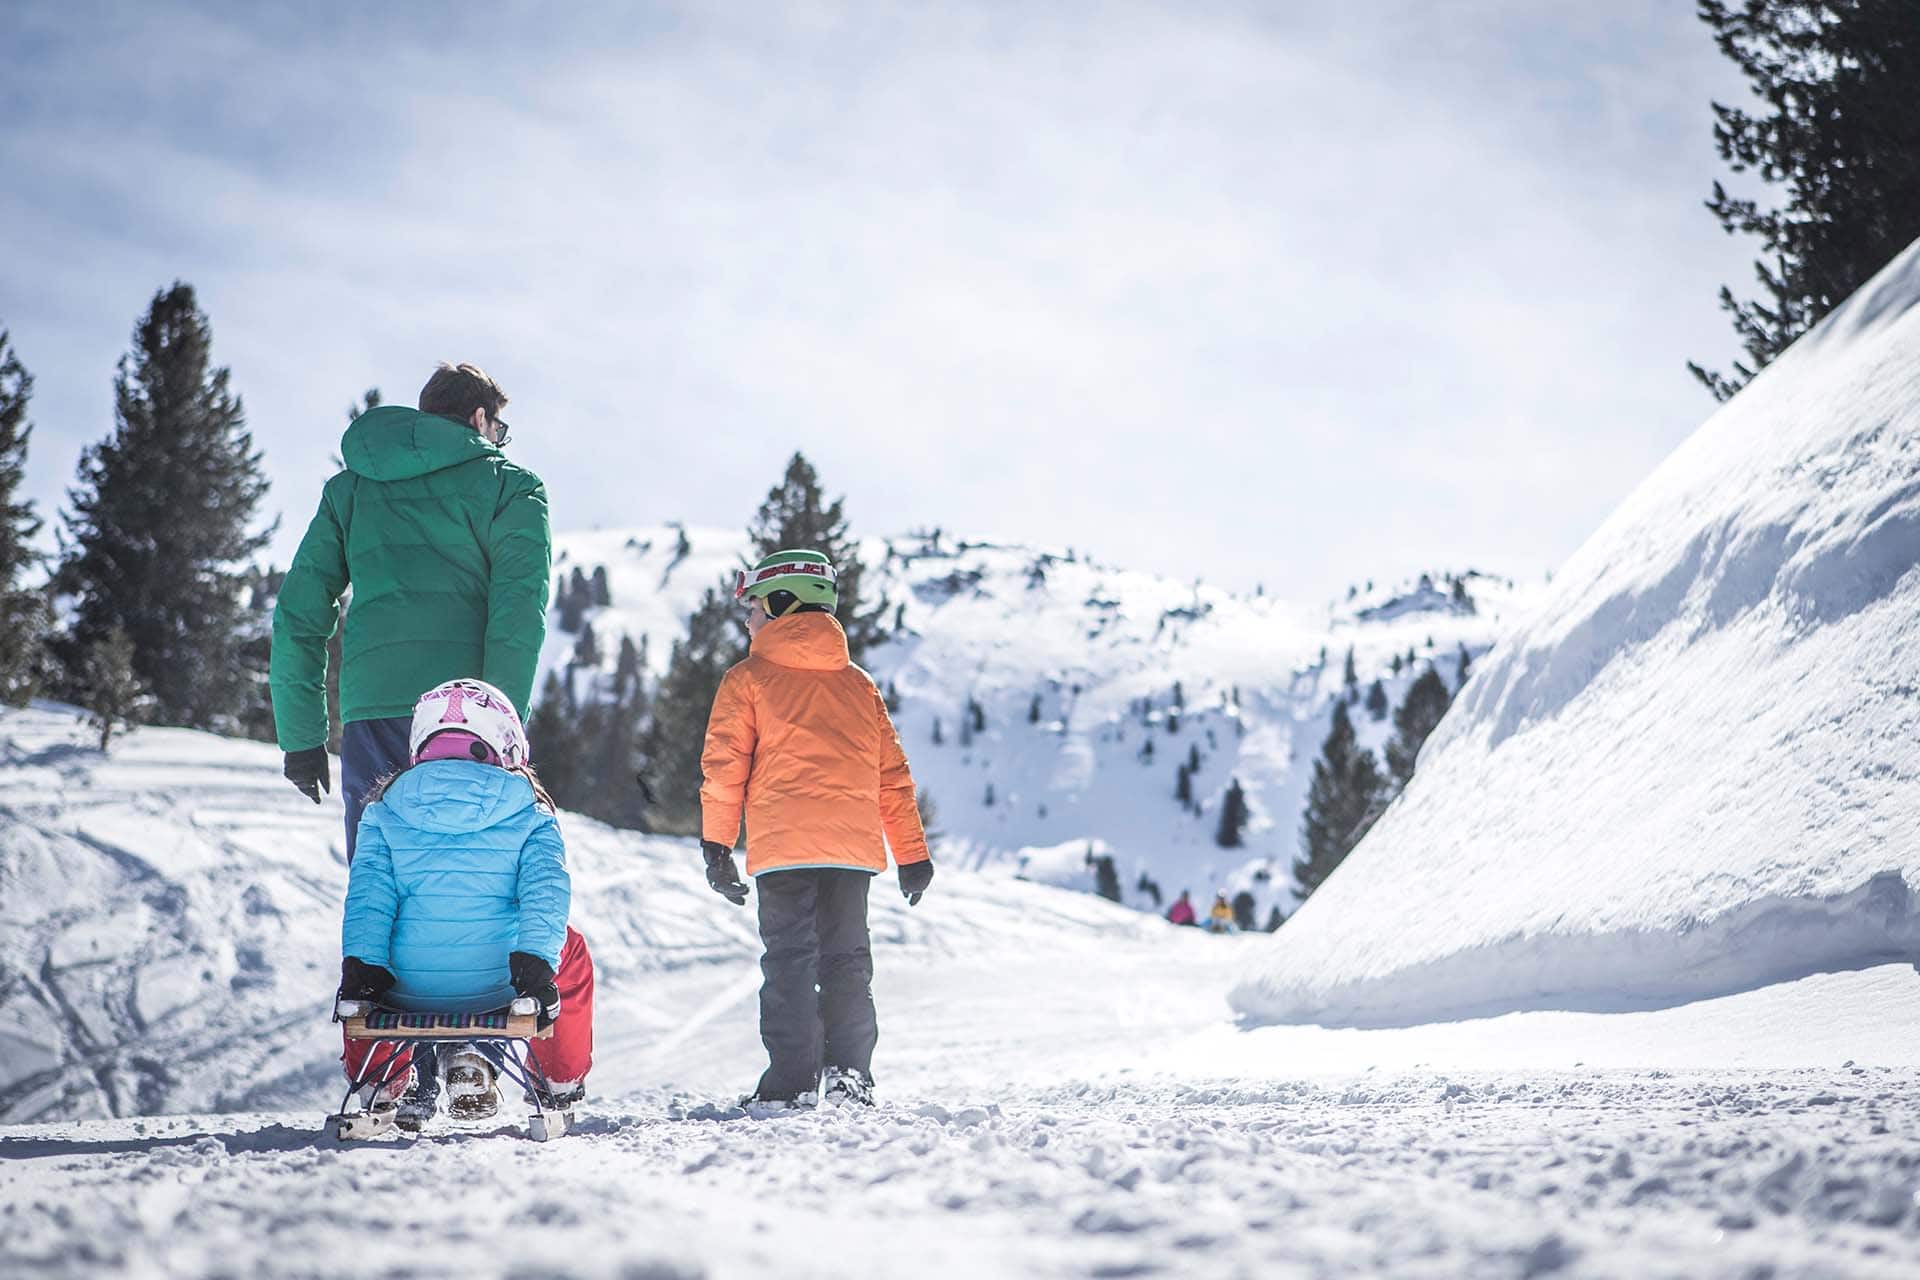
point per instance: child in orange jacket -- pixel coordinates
(800, 743)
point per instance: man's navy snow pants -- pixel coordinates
(816, 1003)
(369, 751)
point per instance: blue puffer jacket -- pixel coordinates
(456, 866)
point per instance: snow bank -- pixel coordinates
(1694, 769)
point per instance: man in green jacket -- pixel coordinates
(446, 546)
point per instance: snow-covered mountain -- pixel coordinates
(1696, 769)
(1092, 686)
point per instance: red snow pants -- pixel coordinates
(566, 1056)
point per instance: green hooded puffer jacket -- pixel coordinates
(447, 548)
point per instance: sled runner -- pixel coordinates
(506, 1034)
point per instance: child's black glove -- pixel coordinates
(914, 879)
(722, 874)
(362, 981)
(533, 978)
(309, 771)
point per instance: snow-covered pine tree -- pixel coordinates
(1233, 817)
(1183, 785)
(599, 593)
(796, 515)
(158, 540)
(1840, 132)
(1426, 702)
(23, 612)
(110, 686)
(1345, 789)
(1377, 705)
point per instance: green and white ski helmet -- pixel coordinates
(807, 574)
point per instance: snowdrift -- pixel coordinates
(1693, 770)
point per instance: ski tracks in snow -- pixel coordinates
(1643, 1173)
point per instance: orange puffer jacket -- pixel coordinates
(800, 739)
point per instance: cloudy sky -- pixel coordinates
(1262, 293)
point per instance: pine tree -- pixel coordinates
(978, 715)
(1233, 817)
(796, 516)
(1427, 701)
(158, 533)
(938, 737)
(1243, 908)
(1349, 677)
(553, 741)
(1341, 799)
(1840, 132)
(989, 799)
(1033, 710)
(630, 669)
(586, 649)
(23, 613)
(110, 687)
(1106, 880)
(1466, 666)
(1275, 918)
(892, 698)
(1183, 785)
(600, 593)
(1377, 698)
(677, 732)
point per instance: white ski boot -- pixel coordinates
(847, 1087)
(471, 1091)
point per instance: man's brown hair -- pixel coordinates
(456, 390)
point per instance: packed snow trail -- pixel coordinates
(1641, 1173)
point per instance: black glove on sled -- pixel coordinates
(533, 977)
(914, 879)
(309, 771)
(362, 981)
(722, 874)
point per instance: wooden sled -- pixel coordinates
(510, 1031)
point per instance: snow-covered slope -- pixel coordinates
(170, 935)
(1697, 768)
(1093, 685)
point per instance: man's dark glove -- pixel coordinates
(722, 874)
(362, 981)
(533, 977)
(309, 771)
(914, 879)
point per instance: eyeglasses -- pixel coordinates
(504, 437)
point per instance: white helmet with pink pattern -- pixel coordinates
(467, 720)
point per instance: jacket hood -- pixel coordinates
(808, 641)
(451, 796)
(396, 443)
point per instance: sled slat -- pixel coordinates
(388, 1025)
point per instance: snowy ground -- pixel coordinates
(1354, 1161)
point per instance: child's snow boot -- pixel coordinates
(847, 1087)
(471, 1094)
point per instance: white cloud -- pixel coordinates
(1265, 298)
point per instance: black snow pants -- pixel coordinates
(816, 1003)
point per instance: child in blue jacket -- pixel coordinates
(457, 901)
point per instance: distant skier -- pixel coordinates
(445, 545)
(800, 740)
(1220, 917)
(458, 902)
(1181, 912)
